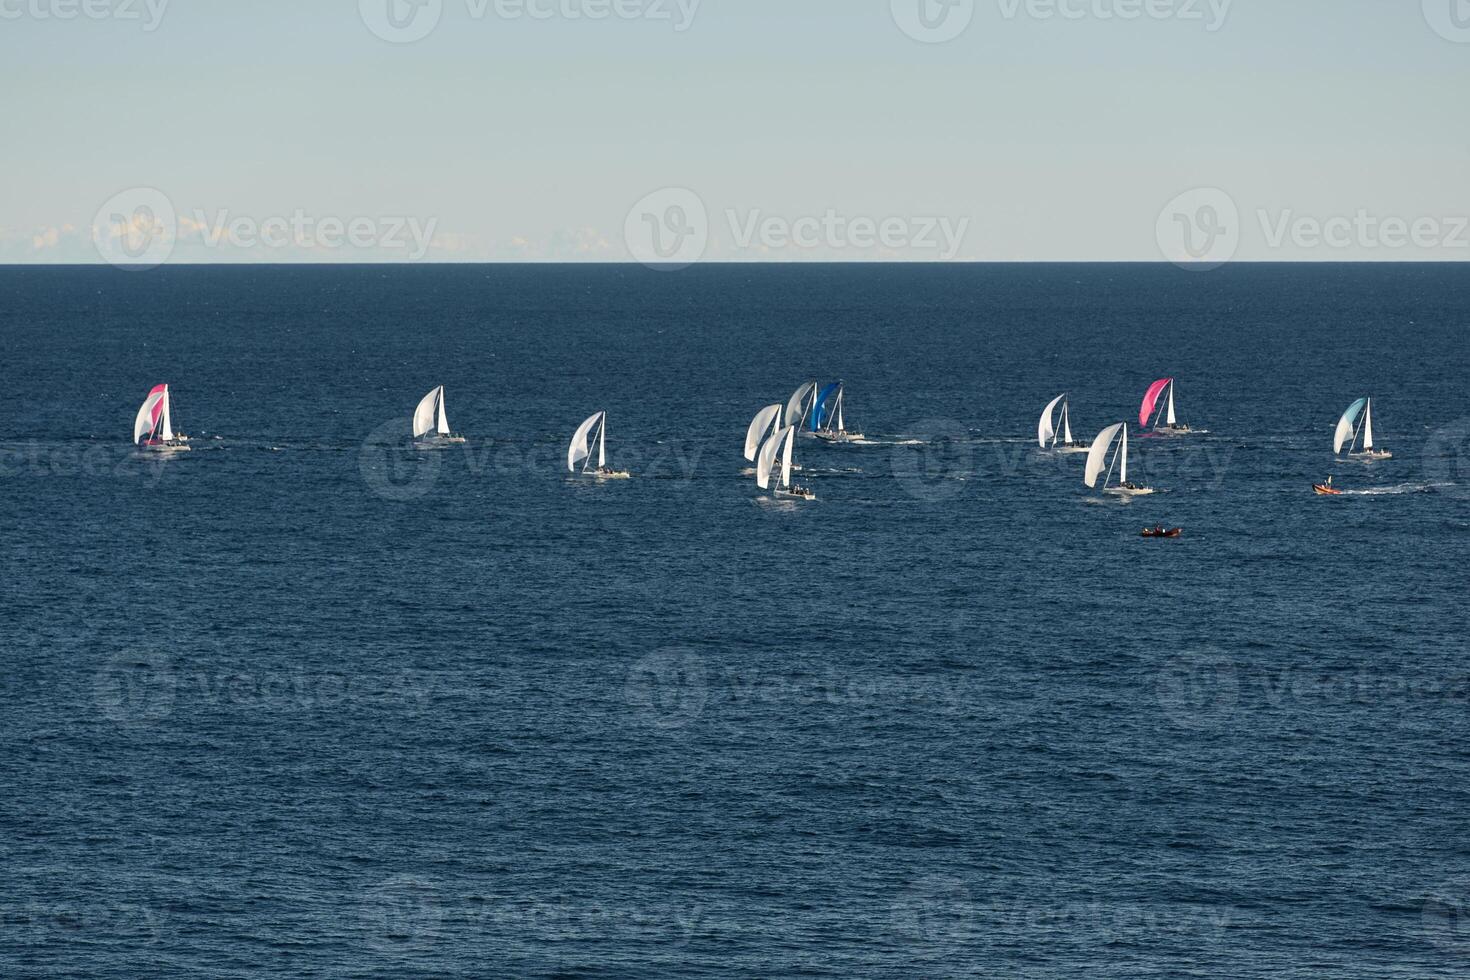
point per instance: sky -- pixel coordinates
(675, 131)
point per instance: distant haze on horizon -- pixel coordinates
(675, 131)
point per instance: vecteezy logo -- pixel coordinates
(1200, 229)
(933, 21)
(135, 689)
(668, 688)
(668, 230)
(401, 21)
(402, 913)
(136, 229)
(934, 467)
(392, 467)
(1199, 690)
(1447, 458)
(1449, 18)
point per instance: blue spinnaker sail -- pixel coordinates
(822, 412)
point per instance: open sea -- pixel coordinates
(307, 702)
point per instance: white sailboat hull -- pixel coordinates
(1130, 491)
(837, 437)
(1370, 455)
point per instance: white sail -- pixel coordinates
(1045, 433)
(578, 450)
(443, 418)
(424, 415)
(841, 396)
(789, 441)
(1123, 471)
(1171, 420)
(759, 426)
(767, 460)
(1367, 426)
(166, 424)
(143, 424)
(1098, 454)
(602, 443)
(795, 414)
(1067, 423)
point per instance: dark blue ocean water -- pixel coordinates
(307, 703)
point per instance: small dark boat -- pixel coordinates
(1163, 532)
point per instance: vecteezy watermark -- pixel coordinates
(1210, 13)
(401, 914)
(148, 13)
(1200, 229)
(668, 688)
(935, 465)
(1364, 231)
(1447, 458)
(677, 688)
(82, 461)
(940, 916)
(135, 229)
(394, 233)
(933, 21)
(408, 914)
(397, 468)
(44, 924)
(140, 229)
(1208, 689)
(1446, 916)
(671, 229)
(407, 21)
(668, 230)
(139, 690)
(1450, 19)
(832, 232)
(136, 689)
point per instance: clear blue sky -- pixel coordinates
(1054, 138)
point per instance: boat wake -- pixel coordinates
(1397, 489)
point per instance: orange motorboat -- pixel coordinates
(1326, 491)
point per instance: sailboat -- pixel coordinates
(153, 428)
(580, 451)
(799, 405)
(826, 416)
(766, 419)
(1056, 434)
(1097, 458)
(1160, 417)
(781, 442)
(1355, 428)
(430, 423)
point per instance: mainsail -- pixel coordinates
(759, 426)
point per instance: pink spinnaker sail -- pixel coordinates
(1151, 399)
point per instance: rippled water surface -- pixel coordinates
(307, 702)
